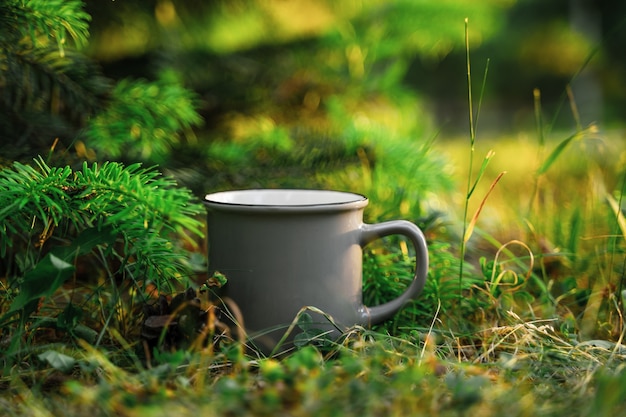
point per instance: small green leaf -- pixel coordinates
(86, 241)
(305, 321)
(59, 263)
(57, 360)
(303, 339)
(42, 281)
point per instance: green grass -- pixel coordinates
(540, 333)
(525, 368)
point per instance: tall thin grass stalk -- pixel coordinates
(471, 160)
(473, 120)
(542, 143)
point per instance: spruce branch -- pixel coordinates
(44, 81)
(45, 205)
(151, 114)
(45, 20)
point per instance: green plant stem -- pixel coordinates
(471, 160)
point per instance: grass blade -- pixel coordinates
(619, 215)
(554, 155)
(472, 223)
(481, 172)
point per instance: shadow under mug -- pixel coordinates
(281, 250)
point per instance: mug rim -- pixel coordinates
(285, 199)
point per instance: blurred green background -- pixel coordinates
(249, 55)
(288, 85)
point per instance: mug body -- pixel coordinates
(282, 250)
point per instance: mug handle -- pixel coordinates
(371, 232)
